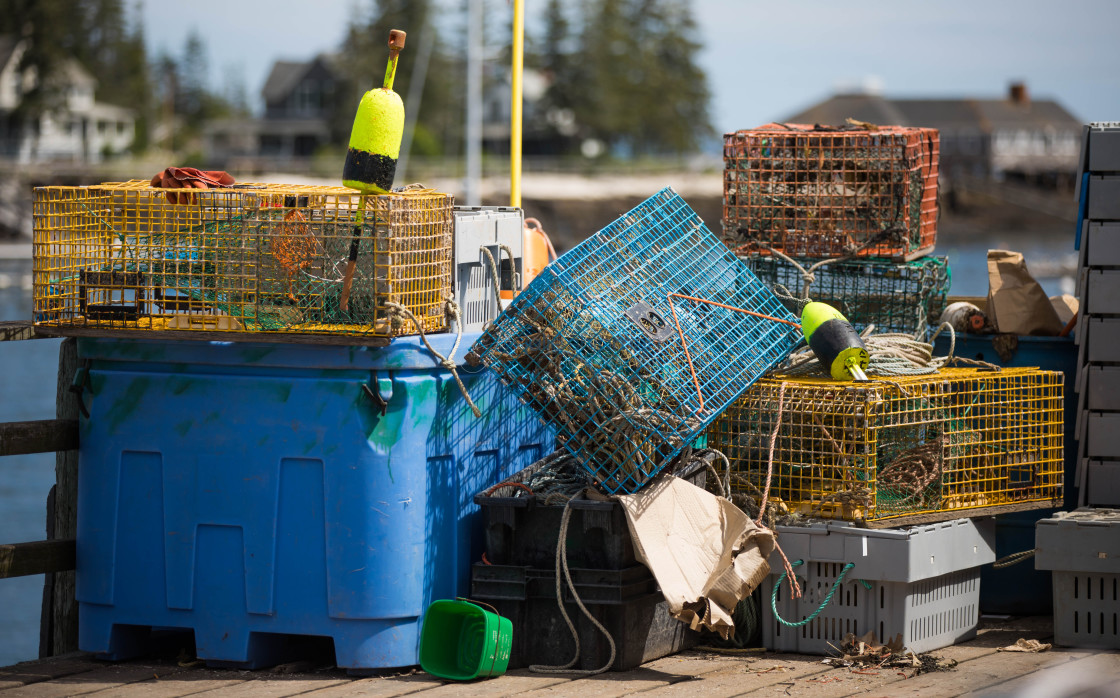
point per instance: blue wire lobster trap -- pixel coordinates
(634, 341)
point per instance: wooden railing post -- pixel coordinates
(61, 634)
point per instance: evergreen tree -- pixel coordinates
(633, 83)
(559, 66)
(96, 34)
(48, 27)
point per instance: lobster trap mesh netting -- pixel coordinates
(895, 297)
(962, 439)
(820, 191)
(252, 258)
(630, 344)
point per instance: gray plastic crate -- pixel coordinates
(924, 584)
(1104, 197)
(1082, 550)
(1104, 147)
(1100, 244)
(1102, 388)
(1100, 435)
(1102, 483)
(1101, 292)
(1101, 340)
(485, 226)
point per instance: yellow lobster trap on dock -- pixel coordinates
(248, 258)
(915, 449)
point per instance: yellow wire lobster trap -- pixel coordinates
(900, 450)
(249, 258)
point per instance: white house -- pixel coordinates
(83, 130)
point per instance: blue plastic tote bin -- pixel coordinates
(1021, 589)
(249, 492)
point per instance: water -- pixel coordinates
(27, 384)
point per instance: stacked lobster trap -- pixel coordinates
(902, 297)
(928, 459)
(249, 258)
(902, 449)
(846, 216)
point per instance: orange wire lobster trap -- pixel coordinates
(822, 191)
(249, 258)
(912, 449)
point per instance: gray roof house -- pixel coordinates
(296, 98)
(979, 137)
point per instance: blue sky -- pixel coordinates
(764, 60)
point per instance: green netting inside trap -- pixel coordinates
(279, 269)
(895, 297)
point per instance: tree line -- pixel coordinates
(621, 73)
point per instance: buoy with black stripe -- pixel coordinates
(835, 342)
(375, 145)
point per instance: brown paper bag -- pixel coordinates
(706, 554)
(1016, 302)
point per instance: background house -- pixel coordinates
(298, 99)
(1012, 137)
(81, 130)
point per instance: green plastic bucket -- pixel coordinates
(460, 640)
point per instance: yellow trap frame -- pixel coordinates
(251, 258)
(899, 450)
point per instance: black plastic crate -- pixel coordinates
(522, 530)
(637, 619)
(516, 582)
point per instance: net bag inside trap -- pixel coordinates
(631, 343)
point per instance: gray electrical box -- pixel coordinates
(490, 228)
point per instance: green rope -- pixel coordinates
(814, 614)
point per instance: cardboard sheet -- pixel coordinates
(705, 552)
(1016, 302)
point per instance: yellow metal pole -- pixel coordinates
(515, 107)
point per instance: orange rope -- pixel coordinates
(680, 332)
(687, 355)
(739, 310)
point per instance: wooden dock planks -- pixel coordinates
(982, 670)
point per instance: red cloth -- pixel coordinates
(190, 178)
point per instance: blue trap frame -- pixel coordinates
(637, 339)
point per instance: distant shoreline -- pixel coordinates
(19, 248)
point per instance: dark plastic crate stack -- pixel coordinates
(522, 530)
(902, 297)
(921, 582)
(1082, 550)
(1098, 324)
(627, 602)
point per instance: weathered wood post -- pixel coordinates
(59, 631)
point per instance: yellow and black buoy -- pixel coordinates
(375, 141)
(375, 145)
(835, 342)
